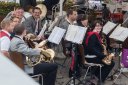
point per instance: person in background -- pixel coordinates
(25, 3)
(105, 13)
(15, 21)
(18, 12)
(7, 27)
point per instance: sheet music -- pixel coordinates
(108, 27)
(75, 34)
(56, 35)
(120, 33)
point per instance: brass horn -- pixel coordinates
(43, 10)
(46, 55)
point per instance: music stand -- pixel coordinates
(75, 35)
(74, 58)
(119, 34)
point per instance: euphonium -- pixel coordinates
(46, 55)
(107, 60)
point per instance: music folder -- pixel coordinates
(75, 34)
(109, 26)
(56, 35)
(120, 33)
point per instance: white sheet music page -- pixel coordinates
(80, 35)
(108, 27)
(120, 33)
(75, 34)
(56, 35)
(72, 30)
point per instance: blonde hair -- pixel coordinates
(5, 23)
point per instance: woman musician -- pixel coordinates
(94, 50)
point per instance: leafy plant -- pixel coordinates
(6, 7)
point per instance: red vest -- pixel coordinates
(2, 34)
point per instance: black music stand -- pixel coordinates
(119, 70)
(74, 57)
(116, 50)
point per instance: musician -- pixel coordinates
(94, 50)
(67, 46)
(33, 23)
(82, 20)
(69, 20)
(48, 70)
(7, 27)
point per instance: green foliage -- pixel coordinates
(6, 7)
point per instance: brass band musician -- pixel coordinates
(94, 50)
(48, 70)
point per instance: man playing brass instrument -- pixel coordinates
(48, 70)
(94, 50)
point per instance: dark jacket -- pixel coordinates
(94, 46)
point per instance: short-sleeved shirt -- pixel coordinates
(5, 42)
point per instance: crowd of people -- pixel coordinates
(16, 25)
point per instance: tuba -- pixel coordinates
(46, 55)
(107, 60)
(43, 10)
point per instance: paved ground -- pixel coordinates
(62, 76)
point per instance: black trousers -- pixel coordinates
(48, 70)
(105, 70)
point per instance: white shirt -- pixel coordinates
(4, 42)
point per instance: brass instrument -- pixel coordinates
(46, 55)
(107, 60)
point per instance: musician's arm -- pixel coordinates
(23, 48)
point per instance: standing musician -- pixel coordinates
(94, 50)
(48, 70)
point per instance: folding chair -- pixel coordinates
(89, 66)
(86, 64)
(18, 59)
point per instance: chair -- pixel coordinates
(88, 65)
(18, 59)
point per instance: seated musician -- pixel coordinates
(33, 23)
(94, 50)
(48, 70)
